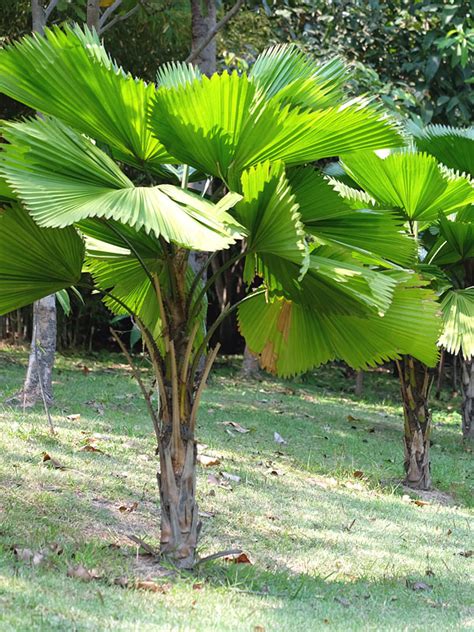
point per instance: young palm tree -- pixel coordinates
(431, 200)
(103, 177)
(453, 251)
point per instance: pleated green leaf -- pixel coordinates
(64, 178)
(454, 244)
(286, 72)
(175, 74)
(221, 126)
(411, 182)
(34, 261)
(458, 322)
(453, 146)
(350, 221)
(270, 214)
(68, 74)
(291, 338)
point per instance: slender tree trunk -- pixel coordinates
(203, 20)
(38, 382)
(93, 14)
(467, 386)
(359, 383)
(250, 365)
(415, 381)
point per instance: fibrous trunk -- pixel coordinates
(180, 523)
(467, 385)
(38, 381)
(250, 365)
(415, 381)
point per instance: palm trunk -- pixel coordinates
(415, 381)
(203, 20)
(180, 523)
(467, 409)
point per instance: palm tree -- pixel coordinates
(104, 176)
(432, 201)
(453, 251)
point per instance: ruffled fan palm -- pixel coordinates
(99, 183)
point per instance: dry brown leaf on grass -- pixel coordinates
(151, 586)
(419, 503)
(358, 474)
(207, 514)
(207, 461)
(90, 447)
(73, 417)
(238, 558)
(48, 460)
(235, 426)
(128, 508)
(82, 573)
(466, 553)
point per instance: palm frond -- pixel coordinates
(34, 261)
(68, 74)
(64, 178)
(411, 182)
(453, 146)
(458, 322)
(174, 74)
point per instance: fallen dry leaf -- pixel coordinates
(238, 558)
(207, 461)
(231, 477)
(81, 572)
(73, 417)
(419, 503)
(343, 601)
(128, 508)
(278, 438)
(89, 447)
(237, 427)
(207, 514)
(350, 418)
(213, 480)
(466, 553)
(259, 628)
(152, 586)
(198, 586)
(358, 474)
(50, 462)
(418, 586)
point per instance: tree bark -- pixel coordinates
(415, 382)
(93, 14)
(467, 407)
(250, 365)
(203, 20)
(359, 383)
(38, 382)
(180, 524)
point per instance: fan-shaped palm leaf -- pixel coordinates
(63, 178)
(458, 322)
(411, 182)
(291, 338)
(34, 261)
(453, 146)
(68, 74)
(220, 126)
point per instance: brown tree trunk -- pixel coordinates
(467, 408)
(38, 382)
(359, 383)
(415, 381)
(180, 523)
(250, 365)
(203, 20)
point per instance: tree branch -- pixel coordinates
(108, 12)
(213, 32)
(49, 9)
(120, 18)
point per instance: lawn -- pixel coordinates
(335, 542)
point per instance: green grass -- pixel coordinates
(329, 551)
